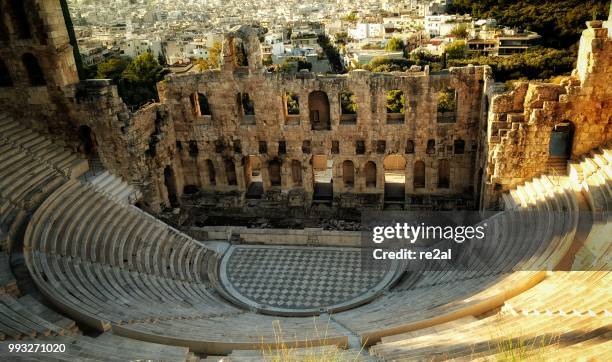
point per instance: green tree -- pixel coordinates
(456, 50)
(395, 101)
(138, 84)
(460, 31)
(112, 69)
(385, 64)
(395, 45)
(347, 103)
(293, 105)
(214, 58)
(332, 54)
(536, 63)
(559, 22)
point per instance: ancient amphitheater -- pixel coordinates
(85, 263)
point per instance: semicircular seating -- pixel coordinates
(564, 317)
(114, 267)
(152, 290)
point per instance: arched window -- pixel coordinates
(395, 106)
(20, 19)
(348, 108)
(252, 177)
(212, 176)
(419, 175)
(296, 172)
(370, 174)
(409, 147)
(318, 107)
(292, 103)
(35, 73)
(447, 105)
(246, 104)
(230, 172)
(200, 105)
(348, 173)
(5, 76)
(274, 171)
(443, 174)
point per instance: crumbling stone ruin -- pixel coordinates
(253, 141)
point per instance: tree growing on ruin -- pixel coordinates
(395, 101)
(348, 104)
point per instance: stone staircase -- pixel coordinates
(115, 187)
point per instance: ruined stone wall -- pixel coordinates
(521, 121)
(215, 135)
(37, 30)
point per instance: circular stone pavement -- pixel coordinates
(299, 280)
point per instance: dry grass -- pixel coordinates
(285, 350)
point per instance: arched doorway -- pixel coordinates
(419, 175)
(560, 146)
(370, 174)
(322, 168)
(88, 140)
(318, 107)
(252, 177)
(274, 172)
(348, 173)
(296, 172)
(170, 184)
(230, 172)
(395, 178)
(443, 174)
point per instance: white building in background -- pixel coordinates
(363, 31)
(442, 25)
(137, 46)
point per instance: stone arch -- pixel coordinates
(88, 140)
(395, 177)
(212, 175)
(252, 176)
(230, 172)
(200, 104)
(35, 73)
(322, 169)
(21, 24)
(419, 175)
(443, 174)
(5, 76)
(296, 172)
(318, 109)
(370, 174)
(348, 173)
(170, 183)
(274, 172)
(348, 107)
